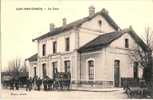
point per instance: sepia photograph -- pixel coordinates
(76, 49)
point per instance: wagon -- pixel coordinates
(62, 81)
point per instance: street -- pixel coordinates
(58, 95)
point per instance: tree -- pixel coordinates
(148, 69)
(144, 56)
(16, 68)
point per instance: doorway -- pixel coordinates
(116, 73)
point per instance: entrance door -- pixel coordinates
(135, 70)
(116, 73)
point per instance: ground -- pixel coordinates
(64, 95)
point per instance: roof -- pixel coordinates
(105, 39)
(100, 41)
(33, 57)
(79, 22)
(137, 39)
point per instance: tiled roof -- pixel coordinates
(100, 41)
(33, 57)
(105, 39)
(77, 23)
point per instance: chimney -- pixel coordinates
(105, 11)
(64, 21)
(91, 10)
(52, 26)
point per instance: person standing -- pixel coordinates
(17, 84)
(38, 83)
(34, 82)
(27, 83)
(30, 83)
(69, 80)
(45, 83)
(12, 84)
(50, 83)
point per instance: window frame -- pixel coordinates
(67, 68)
(54, 66)
(35, 70)
(117, 63)
(54, 47)
(87, 69)
(100, 22)
(44, 70)
(67, 44)
(44, 50)
(126, 43)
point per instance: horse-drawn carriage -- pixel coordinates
(60, 81)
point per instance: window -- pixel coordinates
(116, 63)
(44, 70)
(67, 66)
(44, 49)
(126, 43)
(135, 70)
(35, 71)
(54, 64)
(91, 69)
(67, 44)
(54, 47)
(100, 22)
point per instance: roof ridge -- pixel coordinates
(78, 22)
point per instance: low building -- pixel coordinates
(31, 63)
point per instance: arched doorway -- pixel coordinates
(116, 73)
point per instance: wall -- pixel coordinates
(104, 61)
(91, 29)
(60, 58)
(31, 68)
(118, 51)
(60, 43)
(93, 25)
(97, 57)
(61, 54)
(78, 37)
(120, 42)
(87, 32)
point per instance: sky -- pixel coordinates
(19, 26)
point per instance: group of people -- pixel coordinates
(30, 83)
(36, 83)
(14, 84)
